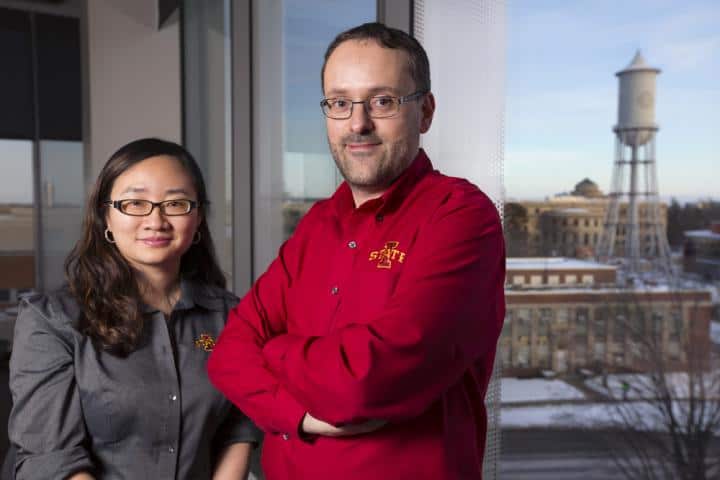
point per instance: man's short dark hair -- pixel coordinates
(387, 37)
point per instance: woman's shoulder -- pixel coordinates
(56, 312)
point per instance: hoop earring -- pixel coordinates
(197, 237)
(108, 236)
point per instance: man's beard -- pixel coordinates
(385, 166)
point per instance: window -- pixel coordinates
(600, 324)
(207, 120)
(618, 330)
(599, 352)
(506, 343)
(522, 323)
(562, 316)
(638, 323)
(657, 325)
(17, 252)
(42, 183)
(676, 324)
(581, 321)
(614, 320)
(62, 198)
(294, 167)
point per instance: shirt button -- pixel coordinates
(352, 244)
(285, 436)
(379, 218)
(172, 397)
(171, 450)
(334, 290)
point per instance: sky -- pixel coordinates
(562, 92)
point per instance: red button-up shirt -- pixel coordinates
(391, 311)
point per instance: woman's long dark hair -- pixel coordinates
(102, 281)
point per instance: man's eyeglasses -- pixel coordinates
(379, 106)
(143, 208)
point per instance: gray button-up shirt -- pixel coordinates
(151, 415)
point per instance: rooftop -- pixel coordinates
(554, 263)
(706, 234)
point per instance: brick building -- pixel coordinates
(565, 314)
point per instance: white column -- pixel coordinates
(134, 77)
(465, 41)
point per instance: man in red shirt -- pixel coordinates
(366, 348)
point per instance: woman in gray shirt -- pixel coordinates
(108, 373)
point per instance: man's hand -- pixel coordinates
(313, 426)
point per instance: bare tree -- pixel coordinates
(664, 420)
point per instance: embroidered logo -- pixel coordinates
(387, 255)
(206, 342)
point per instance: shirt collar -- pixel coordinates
(194, 294)
(344, 203)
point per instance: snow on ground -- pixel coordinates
(556, 416)
(641, 386)
(591, 414)
(515, 390)
(641, 415)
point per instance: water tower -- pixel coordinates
(634, 234)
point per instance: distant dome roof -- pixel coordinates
(587, 188)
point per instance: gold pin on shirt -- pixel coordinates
(206, 342)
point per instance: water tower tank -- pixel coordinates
(636, 102)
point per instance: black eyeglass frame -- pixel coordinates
(400, 100)
(117, 204)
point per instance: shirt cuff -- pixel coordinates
(56, 464)
(293, 413)
(237, 428)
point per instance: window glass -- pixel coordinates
(207, 119)
(17, 253)
(292, 164)
(62, 199)
(577, 181)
